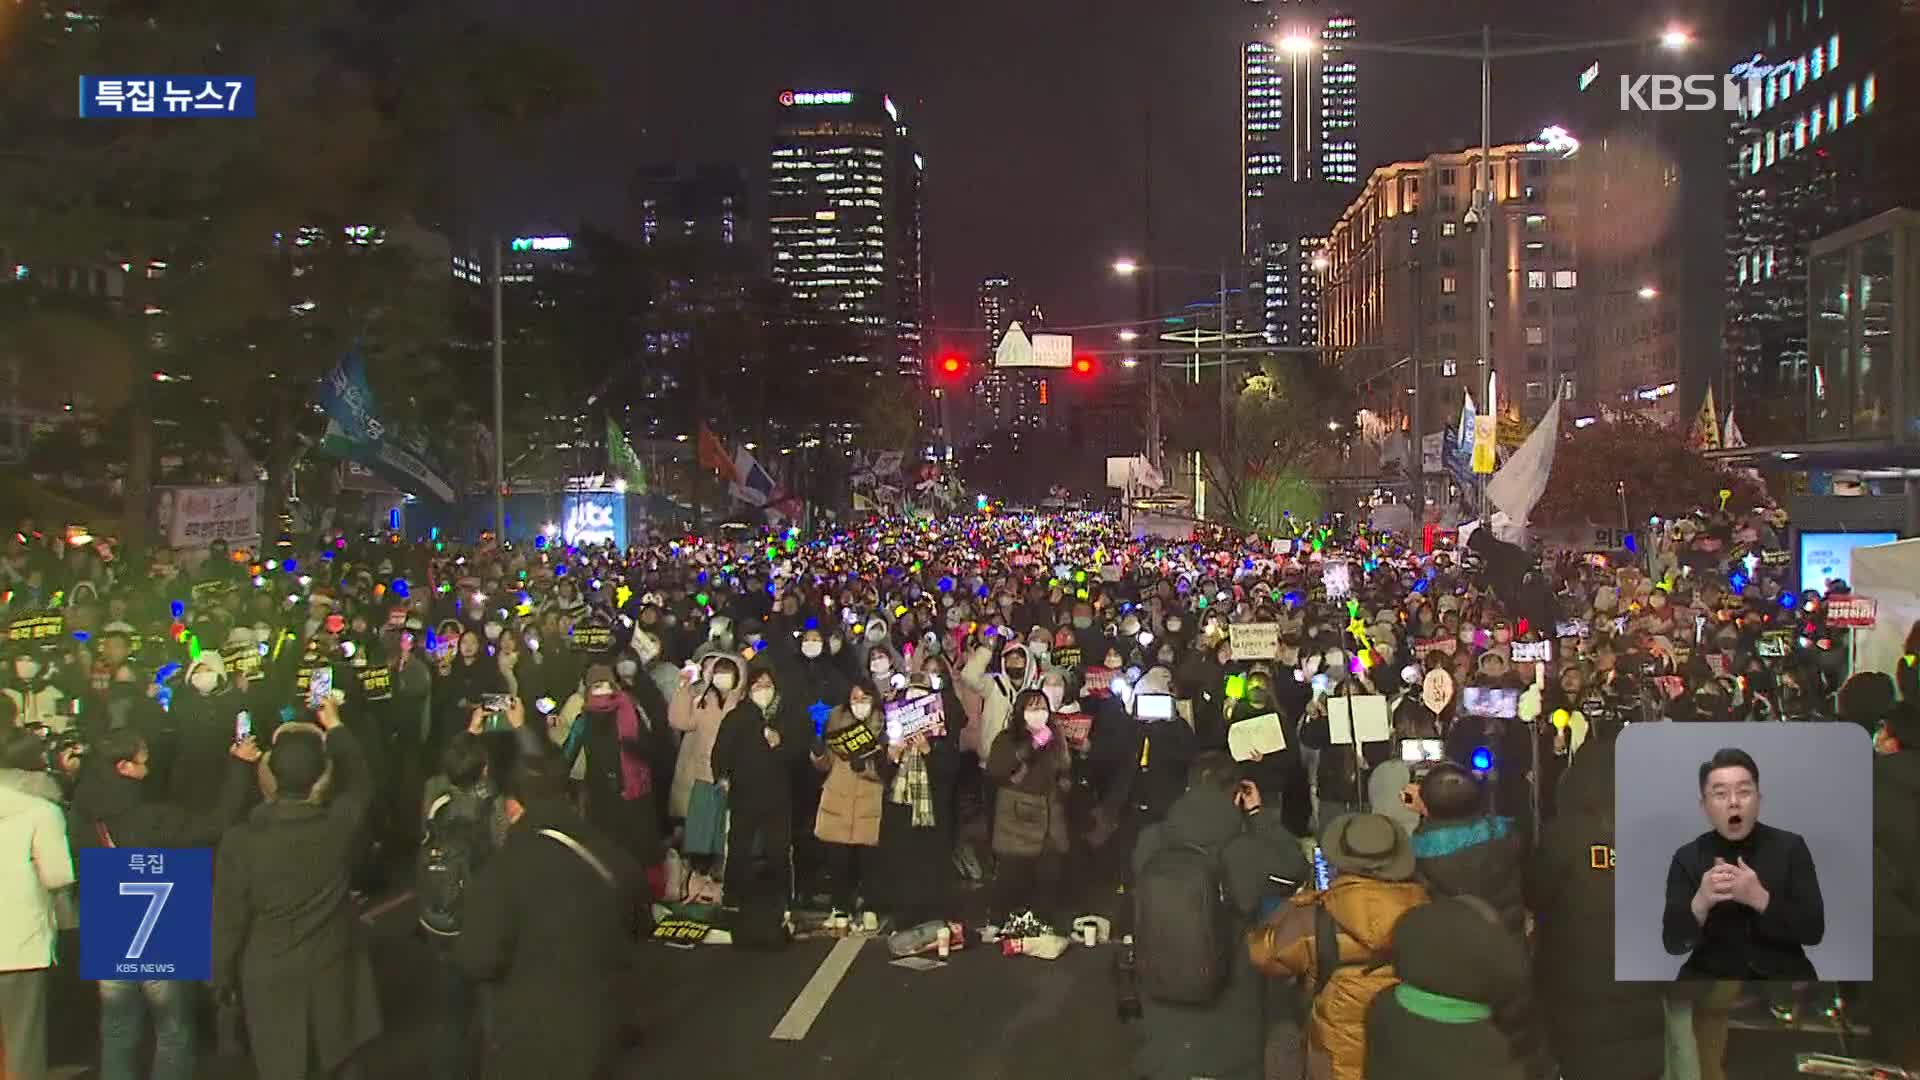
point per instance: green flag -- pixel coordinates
(622, 463)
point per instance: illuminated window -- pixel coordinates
(1770, 147)
(1449, 367)
(1566, 279)
(1536, 279)
(1536, 336)
(1833, 51)
(1800, 133)
(1819, 125)
(1867, 94)
(1819, 61)
(1449, 284)
(1833, 112)
(1449, 228)
(1853, 104)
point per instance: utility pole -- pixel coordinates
(1483, 314)
(499, 406)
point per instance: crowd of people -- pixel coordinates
(1007, 716)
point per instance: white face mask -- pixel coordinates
(1173, 624)
(204, 680)
(723, 681)
(762, 696)
(1039, 649)
(861, 709)
(1036, 718)
(881, 669)
(626, 668)
(810, 649)
(492, 631)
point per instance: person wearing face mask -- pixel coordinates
(848, 820)
(1032, 773)
(706, 694)
(620, 746)
(752, 760)
(471, 676)
(812, 681)
(918, 774)
(1015, 673)
(205, 722)
(31, 694)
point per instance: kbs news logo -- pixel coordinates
(1688, 93)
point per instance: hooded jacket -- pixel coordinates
(1365, 910)
(1225, 1039)
(1456, 966)
(996, 691)
(696, 711)
(759, 776)
(853, 797)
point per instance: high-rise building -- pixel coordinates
(846, 217)
(1398, 288)
(1652, 190)
(709, 206)
(1000, 306)
(1827, 144)
(1300, 153)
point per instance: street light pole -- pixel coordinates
(499, 407)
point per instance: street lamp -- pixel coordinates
(1125, 267)
(1648, 292)
(1129, 335)
(1479, 216)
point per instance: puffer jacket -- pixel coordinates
(1365, 910)
(852, 798)
(1599, 1029)
(696, 713)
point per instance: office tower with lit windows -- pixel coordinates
(1300, 154)
(846, 217)
(1824, 142)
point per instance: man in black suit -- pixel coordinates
(1743, 899)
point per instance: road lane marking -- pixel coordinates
(813, 997)
(384, 906)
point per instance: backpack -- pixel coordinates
(456, 839)
(1326, 942)
(1183, 926)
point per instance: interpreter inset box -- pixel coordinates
(1743, 851)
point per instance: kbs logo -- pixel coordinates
(1688, 93)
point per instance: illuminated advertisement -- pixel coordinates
(595, 517)
(791, 98)
(1828, 555)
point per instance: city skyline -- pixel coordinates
(679, 108)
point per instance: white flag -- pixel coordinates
(1517, 487)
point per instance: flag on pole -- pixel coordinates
(713, 455)
(1486, 443)
(1517, 487)
(1706, 426)
(751, 483)
(622, 462)
(1734, 439)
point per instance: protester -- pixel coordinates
(1217, 833)
(1032, 772)
(287, 941)
(33, 834)
(1339, 940)
(1457, 965)
(548, 929)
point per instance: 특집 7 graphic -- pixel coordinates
(156, 893)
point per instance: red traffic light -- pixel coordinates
(951, 365)
(1082, 365)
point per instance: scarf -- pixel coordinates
(636, 776)
(1439, 1008)
(913, 787)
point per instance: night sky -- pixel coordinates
(1032, 114)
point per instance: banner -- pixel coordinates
(191, 517)
(1517, 487)
(1486, 437)
(40, 626)
(1433, 449)
(1852, 611)
(622, 462)
(355, 431)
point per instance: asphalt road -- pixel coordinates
(712, 1011)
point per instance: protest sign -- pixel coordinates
(1254, 641)
(242, 660)
(853, 742)
(917, 716)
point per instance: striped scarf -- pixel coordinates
(912, 787)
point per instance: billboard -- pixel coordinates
(1828, 555)
(590, 518)
(1017, 350)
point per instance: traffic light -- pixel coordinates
(952, 367)
(1083, 366)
